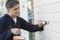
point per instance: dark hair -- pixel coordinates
(11, 3)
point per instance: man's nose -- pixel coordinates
(18, 10)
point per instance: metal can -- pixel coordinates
(18, 38)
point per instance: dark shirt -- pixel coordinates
(6, 23)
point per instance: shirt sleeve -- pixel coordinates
(30, 27)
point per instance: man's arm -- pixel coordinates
(29, 27)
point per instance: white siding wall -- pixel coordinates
(48, 10)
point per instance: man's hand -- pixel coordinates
(15, 31)
(40, 24)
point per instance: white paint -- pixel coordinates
(48, 10)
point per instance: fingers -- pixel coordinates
(15, 31)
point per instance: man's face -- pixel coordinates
(15, 10)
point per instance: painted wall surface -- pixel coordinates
(48, 10)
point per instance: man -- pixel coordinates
(10, 23)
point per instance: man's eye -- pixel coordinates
(15, 9)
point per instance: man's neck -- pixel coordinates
(11, 15)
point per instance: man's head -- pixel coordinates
(13, 7)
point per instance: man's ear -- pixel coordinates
(8, 9)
